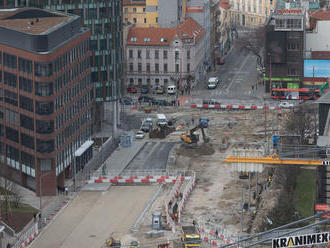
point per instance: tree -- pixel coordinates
(253, 42)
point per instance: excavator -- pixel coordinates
(192, 138)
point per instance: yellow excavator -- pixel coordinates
(113, 243)
(192, 138)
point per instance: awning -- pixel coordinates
(83, 148)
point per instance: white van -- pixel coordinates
(171, 89)
(161, 120)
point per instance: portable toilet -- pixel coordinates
(156, 221)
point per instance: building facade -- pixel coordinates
(134, 12)
(225, 29)
(46, 96)
(251, 12)
(165, 56)
(104, 19)
(284, 53)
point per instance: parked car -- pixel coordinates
(144, 90)
(286, 105)
(145, 99)
(127, 100)
(211, 102)
(160, 90)
(131, 89)
(171, 89)
(145, 127)
(139, 135)
(212, 83)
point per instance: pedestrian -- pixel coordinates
(66, 191)
(192, 120)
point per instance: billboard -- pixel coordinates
(317, 68)
(276, 46)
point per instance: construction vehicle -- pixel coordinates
(204, 121)
(134, 244)
(192, 138)
(113, 243)
(190, 237)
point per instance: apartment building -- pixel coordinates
(251, 12)
(165, 56)
(134, 12)
(225, 29)
(46, 97)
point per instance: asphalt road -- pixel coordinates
(93, 217)
(153, 156)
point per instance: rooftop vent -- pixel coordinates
(146, 39)
(133, 39)
(163, 39)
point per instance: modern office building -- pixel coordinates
(104, 19)
(46, 97)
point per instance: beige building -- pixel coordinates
(251, 12)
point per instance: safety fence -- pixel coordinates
(143, 176)
(185, 194)
(216, 236)
(26, 239)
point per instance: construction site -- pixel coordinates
(229, 181)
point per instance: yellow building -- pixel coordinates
(251, 12)
(142, 13)
(152, 13)
(134, 12)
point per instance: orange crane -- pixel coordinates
(274, 159)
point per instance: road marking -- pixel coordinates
(242, 65)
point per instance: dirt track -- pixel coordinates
(94, 216)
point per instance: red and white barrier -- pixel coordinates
(136, 179)
(214, 238)
(234, 106)
(28, 237)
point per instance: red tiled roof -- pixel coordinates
(163, 36)
(320, 14)
(134, 2)
(224, 4)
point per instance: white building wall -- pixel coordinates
(319, 39)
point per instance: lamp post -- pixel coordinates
(40, 190)
(270, 70)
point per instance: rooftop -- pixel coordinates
(32, 20)
(224, 4)
(133, 2)
(188, 31)
(320, 14)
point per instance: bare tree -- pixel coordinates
(253, 42)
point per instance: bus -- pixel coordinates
(296, 94)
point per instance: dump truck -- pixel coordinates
(190, 236)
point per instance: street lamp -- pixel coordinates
(270, 70)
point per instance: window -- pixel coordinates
(139, 54)
(27, 141)
(145, 20)
(165, 54)
(44, 108)
(27, 122)
(44, 89)
(131, 67)
(165, 81)
(144, 9)
(156, 19)
(157, 68)
(25, 65)
(134, 10)
(12, 153)
(45, 146)
(293, 46)
(188, 54)
(126, 10)
(148, 54)
(9, 61)
(45, 126)
(188, 67)
(148, 67)
(134, 20)
(12, 117)
(177, 68)
(139, 67)
(176, 55)
(165, 68)
(292, 71)
(103, 44)
(25, 84)
(10, 79)
(12, 134)
(27, 159)
(157, 81)
(11, 97)
(130, 54)
(43, 69)
(26, 103)
(45, 164)
(156, 54)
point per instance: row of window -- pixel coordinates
(156, 54)
(43, 146)
(69, 113)
(156, 68)
(71, 74)
(135, 20)
(140, 81)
